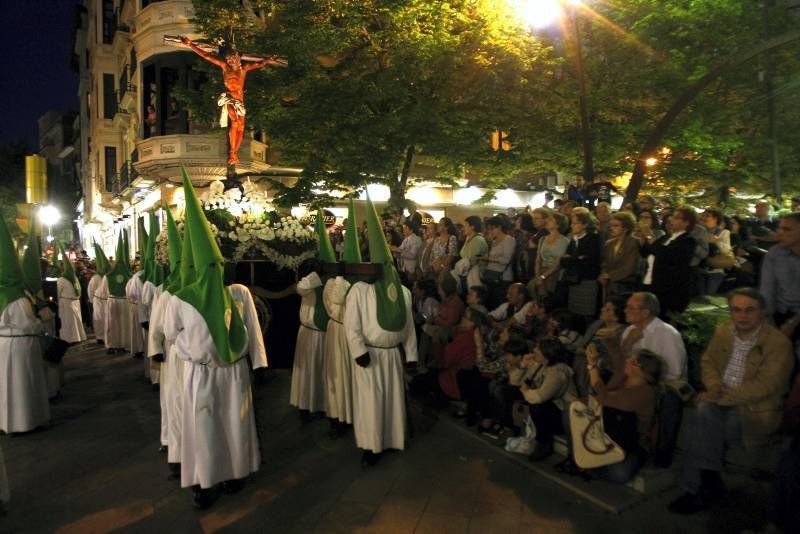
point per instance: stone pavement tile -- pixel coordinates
(432, 523)
(532, 521)
(371, 487)
(494, 523)
(494, 499)
(346, 516)
(397, 514)
(457, 500)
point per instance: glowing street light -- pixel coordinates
(650, 162)
(49, 216)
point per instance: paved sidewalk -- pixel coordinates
(97, 469)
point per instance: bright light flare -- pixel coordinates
(650, 162)
(49, 215)
(537, 13)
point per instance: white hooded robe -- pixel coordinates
(69, 311)
(308, 372)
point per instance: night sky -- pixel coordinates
(35, 72)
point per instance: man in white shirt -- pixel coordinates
(514, 310)
(408, 251)
(647, 331)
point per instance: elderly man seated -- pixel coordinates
(746, 370)
(514, 310)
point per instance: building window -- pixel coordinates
(109, 22)
(110, 167)
(162, 77)
(109, 97)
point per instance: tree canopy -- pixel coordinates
(376, 85)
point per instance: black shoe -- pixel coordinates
(305, 416)
(369, 458)
(138, 355)
(712, 487)
(174, 471)
(204, 498)
(687, 504)
(163, 449)
(233, 486)
(101, 342)
(155, 387)
(541, 452)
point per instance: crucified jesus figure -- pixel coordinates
(232, 101)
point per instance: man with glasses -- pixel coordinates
(746, 371)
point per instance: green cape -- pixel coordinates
(173, 281)
(12, 284)
(208, 294)
(119, 275)
(32, 263)
(326, 255)
(388, 289)
(68, 271)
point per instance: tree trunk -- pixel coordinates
(650, 146)
(397, 191)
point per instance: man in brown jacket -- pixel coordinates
(746, 370)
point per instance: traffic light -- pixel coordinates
(500, 141)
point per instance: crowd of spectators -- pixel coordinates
(519, 315)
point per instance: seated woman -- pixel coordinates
(504, 387)
(548, 391)
(459, 354)
(605, 333)
(629, 403)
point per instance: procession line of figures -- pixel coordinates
(201, 338)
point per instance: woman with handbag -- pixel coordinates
(548, 258)
(628, 403)
(582, 265)
(547, 393)
(498, 272)
(719, 240)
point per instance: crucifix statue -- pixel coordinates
(231, 102)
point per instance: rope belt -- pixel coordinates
(377, 347)
(22, 335)
(311, 328)
(335, 321)
(68, 298)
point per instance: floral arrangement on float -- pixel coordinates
(247, 227)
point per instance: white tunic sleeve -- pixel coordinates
(255, 341)
(173, 322)
(409, 332)
(155, 336)
(18, 319)
(352, 320)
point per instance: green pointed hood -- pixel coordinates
(352, 248)
(32, 264)
(12, 284)
(388, 289)
(119, 275)
(173, 282)
(141, 241)
(326, 255)
(153, 271)
(67, 270)
(208, 294)
(187, 273)
(102, 265)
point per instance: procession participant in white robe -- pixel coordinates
(151, 288)
(23, 388)
(377, 320)
(118, 323)
(99, 308)
(69, 302)
(32, 276)
(338, 363)
(219, 443)
(308, 373)
(139, 313)
(159, 349)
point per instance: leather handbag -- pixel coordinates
(721, 261)
(591, 446)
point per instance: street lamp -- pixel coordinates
(49, 216)
(542, 13)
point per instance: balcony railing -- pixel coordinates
(122, 180)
